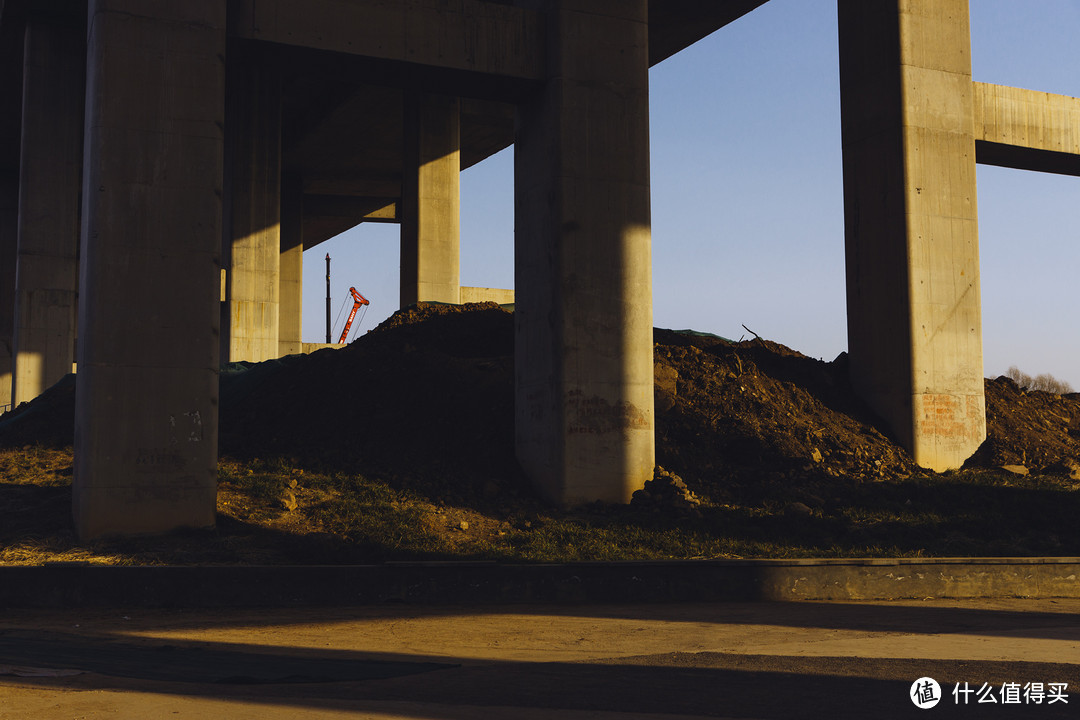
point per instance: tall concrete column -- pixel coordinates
(11, 75)
(583, 276)
(254, 211)
(50, 182)
(290, 313)
(914, 324)
(431, 200)
(9, 223)
(146, 400)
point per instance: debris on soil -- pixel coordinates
(666, 491)
(428, 396)
(1037, 429)
(750, 433)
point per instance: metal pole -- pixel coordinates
(327, 298)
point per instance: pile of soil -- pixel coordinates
(426, 400)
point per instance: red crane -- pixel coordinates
(358, 300)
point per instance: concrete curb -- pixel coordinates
(67, 585)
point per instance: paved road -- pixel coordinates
(727, 660)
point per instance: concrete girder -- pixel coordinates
(1026, 129)
(675, 25)
(365, 209)
(485, 38)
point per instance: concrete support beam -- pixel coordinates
(431, 201)
(583, 277)
(914, 325)
(351, 185)
(253, 195)
(1026, 129)
(50, 183)
(320, 229)
(146, 402)
(291, 263)
(484, 37)
(676, 24)
(360, 209)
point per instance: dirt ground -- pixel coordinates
(425, 401)
(431, 389)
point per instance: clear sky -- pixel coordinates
(747, 199)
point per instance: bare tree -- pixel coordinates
(1045, 382)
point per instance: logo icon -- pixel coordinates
(925, 693)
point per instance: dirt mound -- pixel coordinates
(752, 410)
(48, 420)
(426, 399)
(1035, 429)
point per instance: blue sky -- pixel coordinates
(747, 198)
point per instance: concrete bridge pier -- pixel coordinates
(291, 269)
(583, 282)
(48, 224)
(431, 200)
(914, 324)
(253, 211)
(11, 76)
(146, 403)
(9, 235)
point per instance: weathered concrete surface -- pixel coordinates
(482, 294)
(253, 196)
(49, 188)
(1027, 129)
(11, 77)
(146, 403)
(488, 38)
(583, 276)
(914, 324)
(606, 662)
(291, 270)
(9, 235)
(838, 579)
(431, 200)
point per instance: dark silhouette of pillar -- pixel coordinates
(146, 400)
(50, 182)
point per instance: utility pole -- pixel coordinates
(327, 298)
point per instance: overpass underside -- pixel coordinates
(164, 165)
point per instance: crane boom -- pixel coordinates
(358, 300)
